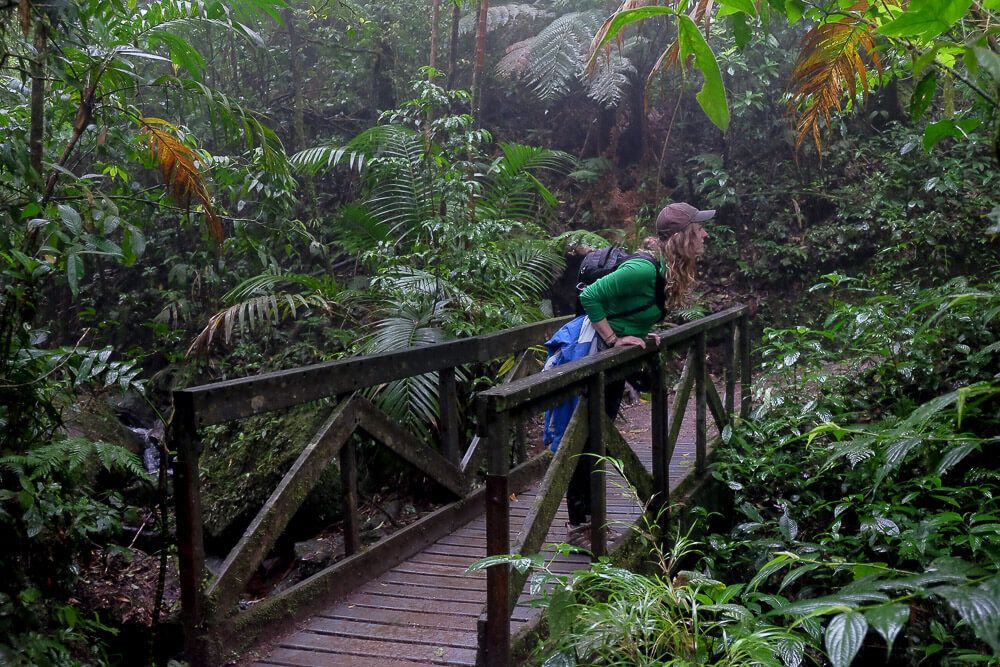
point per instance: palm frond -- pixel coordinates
(528, 271)
(411, 401)
(179, 166)
(403, 196)
(410, 281)
(512, 191)
(830, 61)
(358, 231)
(258, 304)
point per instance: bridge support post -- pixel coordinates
(598, 480)
(745, 370)
(659, 428)
(730, 372)
(497, 630)
(701, 403)
(183, 440)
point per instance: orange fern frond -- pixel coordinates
(179, 165)
(832, 59)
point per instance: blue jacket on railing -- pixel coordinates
(575, 340)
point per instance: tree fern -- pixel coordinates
(68, 456)
(500, 16)
(610, 78)
(558, 51)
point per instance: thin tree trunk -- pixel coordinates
(298, 108)
(477, 70)
(456, 15)
(435, 21)
(36, 134)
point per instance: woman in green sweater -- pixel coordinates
(679, 241)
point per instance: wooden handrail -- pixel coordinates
(242, 397)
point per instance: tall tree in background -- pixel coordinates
(477, 71)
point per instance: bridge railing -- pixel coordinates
(213, 624)
(502, 408)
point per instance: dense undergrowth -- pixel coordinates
(865, 491)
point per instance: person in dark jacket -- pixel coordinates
(679, 241)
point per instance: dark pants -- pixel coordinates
(578, 493)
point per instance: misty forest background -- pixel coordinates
(193, 191)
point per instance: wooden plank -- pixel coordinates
(376, 424)
(681, 398)
(415, 619)
(290, 657)
(243, 397)
(272, 518)
(386, 601)
(715, 406)
(393, 632)
(635, 472)
(746, 372)
(453, 582)
(436, 655)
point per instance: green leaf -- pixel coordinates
(769, 568)
(888, 620)
(562, 612)
(737, 6)
(979, 607)
(923, 95)
(712, 96)
(74, 271)
(630, 16)
(70, 218)
(844, 636)
(741, 31)
(926, 19)
(791, 651)
(794, 9)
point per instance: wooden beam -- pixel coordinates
(375, 423)
(598, 482)
(349, 491)
(635, 472)
(551, 490)
(272, 518)
(497, 631)
(701, 426)
(715, 406)
(448, 407)
(746, 373)
(242, 397)
(680, 403)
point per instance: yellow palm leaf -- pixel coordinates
(833, 58)
(179, 166)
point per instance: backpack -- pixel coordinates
(601, 262)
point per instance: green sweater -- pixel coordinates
(631, 285)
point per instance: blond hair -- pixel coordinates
(680, 254)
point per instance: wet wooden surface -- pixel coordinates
(425, 610)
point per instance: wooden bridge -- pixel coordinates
(407, 599)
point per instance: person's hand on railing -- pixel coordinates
(625, 341)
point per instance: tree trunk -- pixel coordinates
(298, 101)
(456, 15)
(435, 21)
(477, 69)
(36, 134)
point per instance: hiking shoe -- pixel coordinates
(578, 535)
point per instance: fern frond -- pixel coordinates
(513, 192)
(500, 16)
(516, 59)
(69, 454)
(179, 166)
(832, 59)
(609, 79)
(411, 281)
(529, 271)
(558, 51)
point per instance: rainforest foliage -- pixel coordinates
(192, 191)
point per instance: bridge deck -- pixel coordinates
(425, 610)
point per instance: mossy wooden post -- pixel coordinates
(349, 487)
(497, 631)
(448, 403)
(730, 372)
(658, 430)
(701, 404)
(745, 370)
(183, 440)
(595, 449)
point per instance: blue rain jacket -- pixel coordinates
(575, 340)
